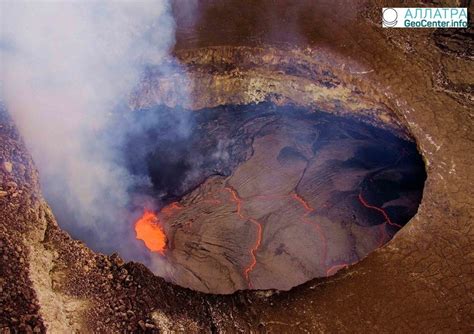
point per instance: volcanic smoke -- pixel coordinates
(69, 69)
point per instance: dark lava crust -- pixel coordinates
(264, 197)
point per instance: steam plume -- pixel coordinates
(65, 67)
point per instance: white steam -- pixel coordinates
(65, 66)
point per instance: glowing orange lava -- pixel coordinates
(237, 200)
(305, 204)
(147, 228)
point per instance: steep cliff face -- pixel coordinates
(225, 75)
(406, 81)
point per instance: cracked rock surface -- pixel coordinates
(297, 204)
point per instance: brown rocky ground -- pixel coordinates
(422, 281)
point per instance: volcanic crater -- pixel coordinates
(261, 196)
(260, 168)
(421, 281)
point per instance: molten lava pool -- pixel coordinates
(149, 230)
(260, 196)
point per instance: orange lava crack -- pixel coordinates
(385, 215)
(254, 249)
(309, 209)
(382, 211)
(335, 268)
(305, 204)
(148, 228)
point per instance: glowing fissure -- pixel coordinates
(383, 232)
(305, 204)
(253, 251)
(148, 230)
(382, 211)
(335, 268)
(309, 209)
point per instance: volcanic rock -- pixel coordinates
(295, 207)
